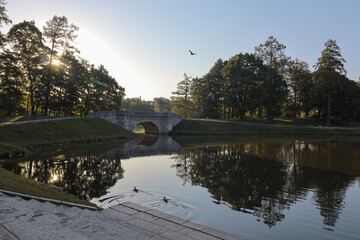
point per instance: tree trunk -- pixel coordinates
(328, 115)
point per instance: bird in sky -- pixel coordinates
(191, 53)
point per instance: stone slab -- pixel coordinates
(136, 206)
(167, 216)
(6, 234)
(124, 209)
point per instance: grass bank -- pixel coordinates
(15, 183)
(225, 127)
(18, 139)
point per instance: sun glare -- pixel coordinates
(55, 62)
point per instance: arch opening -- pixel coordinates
(150, 128)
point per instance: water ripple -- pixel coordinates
(151, 200)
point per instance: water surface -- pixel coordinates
(252, 187)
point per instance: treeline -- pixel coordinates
(269, 84)
(41, 72)
(159, 104)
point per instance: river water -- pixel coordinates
(252, 187)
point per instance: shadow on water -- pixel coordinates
(261, 176)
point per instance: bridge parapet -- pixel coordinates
(154, 123)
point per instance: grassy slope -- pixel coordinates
(15, 183)
(223, 127)
(17, 138)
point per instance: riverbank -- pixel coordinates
(227, 127)
(19, 139)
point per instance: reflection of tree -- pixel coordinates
(244, 177)
(85, 177)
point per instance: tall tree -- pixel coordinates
(273, 91)
(328, 74)
(199, 96)
(301, 87)
(182, 103)
(272, 52)
(214, 83)
(11, 85)
(29, 50)
(3, 19)
(60, 36)
(241, 81)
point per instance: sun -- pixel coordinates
(55, 62)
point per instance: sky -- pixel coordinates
(144, 44)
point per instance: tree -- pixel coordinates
(273, 90)
(104, 94)
(240, 84)
(29, 51)
(301, 87)
(162, 104)
(60, 36)
(137, 105)
(182, 104)
(214, 83)
(11, 85)
(3, 19)
(199, 95)
(272, 52)
(328, 75)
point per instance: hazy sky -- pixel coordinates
(145, 44)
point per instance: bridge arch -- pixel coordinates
(156, 123)
(150, 127)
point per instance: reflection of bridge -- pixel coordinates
(153, 123)
(148, 146)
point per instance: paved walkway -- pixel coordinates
(31, 219)
(36, 120)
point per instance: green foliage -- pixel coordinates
(11, 86)
(182, 103)
(241, 75)
(162, 104)
(31, 77)
(269, 84)
(331, 82)
(272, 54)
(301, 87)
(137, 105)
(3, 17)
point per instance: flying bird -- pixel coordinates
(191, 53)
(135, 189)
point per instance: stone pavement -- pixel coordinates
(31, 219)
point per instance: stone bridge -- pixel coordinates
(153, 123)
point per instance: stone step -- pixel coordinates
(164, 224)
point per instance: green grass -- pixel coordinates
(15, 183)
(15, 139)
(277, 127)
